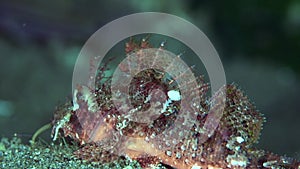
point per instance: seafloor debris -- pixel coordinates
(106, 134)
(15, 154)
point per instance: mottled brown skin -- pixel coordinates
(230, 146)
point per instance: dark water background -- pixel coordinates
(258, 42)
